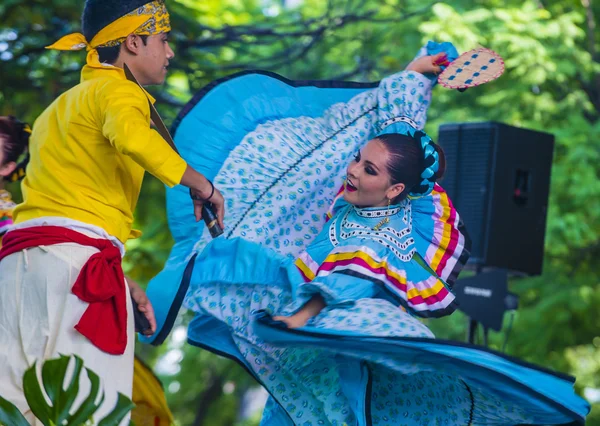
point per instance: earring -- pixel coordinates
(386, 219)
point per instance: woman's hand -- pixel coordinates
(295, 321)
(144, 305)
(312, 308)
(429, 64)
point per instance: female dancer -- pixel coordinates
(325, 316)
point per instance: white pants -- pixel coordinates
(38, 313)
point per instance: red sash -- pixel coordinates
(100, 283)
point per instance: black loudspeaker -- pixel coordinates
(498, 178)
(485, 297)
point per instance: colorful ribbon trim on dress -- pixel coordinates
(446, 253)
(427, 295)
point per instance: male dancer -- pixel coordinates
(62, 289)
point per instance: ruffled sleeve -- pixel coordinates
(399, 103)
(403, 97)
(345, 275)
(440, 237)
(352, 272)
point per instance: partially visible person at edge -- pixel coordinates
(62, 289)
(14, 138)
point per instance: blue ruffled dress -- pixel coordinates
(278, 151)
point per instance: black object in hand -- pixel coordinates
(142, 325)
(210, 218)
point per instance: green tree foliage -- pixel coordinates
(551, 83)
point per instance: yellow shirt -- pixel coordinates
(89, 150)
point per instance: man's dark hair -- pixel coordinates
(97, 14)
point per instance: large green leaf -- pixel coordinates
(71, 391)
(53, 376)
(124, 406)
(10, 415)
(89, 405)
(35, 396)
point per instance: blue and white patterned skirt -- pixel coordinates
(365, 362)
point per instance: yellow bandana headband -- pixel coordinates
(149, 19)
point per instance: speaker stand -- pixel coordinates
(471, 331)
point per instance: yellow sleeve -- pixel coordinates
(126, 124)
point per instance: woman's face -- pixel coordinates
(368, 181)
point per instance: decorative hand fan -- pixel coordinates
(472, 68)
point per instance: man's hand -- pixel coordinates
(201, 190)
(217, 201)
(144, 305)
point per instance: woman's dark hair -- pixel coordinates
(109, 55)
(407, 161)
(14, 140)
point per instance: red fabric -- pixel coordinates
(100, 283)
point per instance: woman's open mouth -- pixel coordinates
(350, 186)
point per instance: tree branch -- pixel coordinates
(314, 30)
(362, 67)
(207, 398)
(233, 34)
(591, 28)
